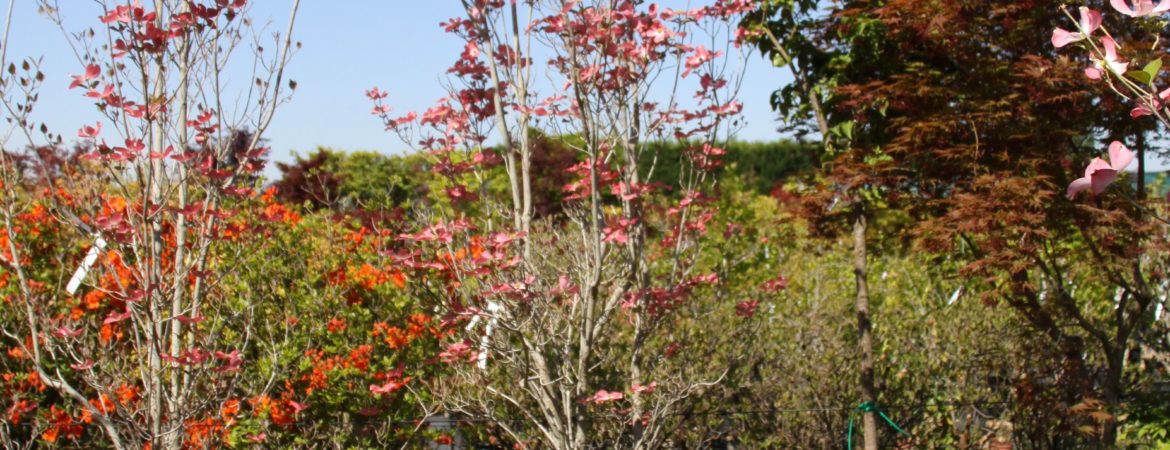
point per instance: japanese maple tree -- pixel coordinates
(959, 116)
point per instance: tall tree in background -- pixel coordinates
(786, 32)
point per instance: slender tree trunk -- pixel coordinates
(1113, 393)
(864, 328)
(1141, 170)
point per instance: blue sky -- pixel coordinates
(348, 47)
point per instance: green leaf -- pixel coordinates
(778, 60)
(1139, 76)
(1152, 68)
(843, 129)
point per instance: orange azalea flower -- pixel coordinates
(229, 410)
(396, 338)
(35, 383)
(38, 214)
(359, 358)
(292, 218)
(318, 379)
(114, 205)
(281, 414)
(16, 413)
(398, 278)
(379, 328)
(336, 277)
(269, 195)
(50, 435)
(127, 394)
(64, 196)
(336, 325)
(418, 325)
(260, 404)
(107, 334)
(357, 237)
(61, 425)
(368, 277)
(200, 433)
(4, 247)
(274, 212)
(103, 404)
(93, 300)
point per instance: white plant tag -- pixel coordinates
(955, 296)
(90, 258)
(494, 308)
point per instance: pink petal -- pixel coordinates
(1118, 68)
(1162, 7)
(1119, 156)
(1101, 179)
(1110, 48)
(1122, 7)
(1062, 37)
(1095, 165)
(1093, 73)
(1091, 20)
(1077, 186)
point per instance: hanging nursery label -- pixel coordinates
(87, 264)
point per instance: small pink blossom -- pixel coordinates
(388, 388)
(1099, 174)
(90, 132)
(604, 396)
(64, 332)
(231, 361)
(1143, 109)
(91, 72)
(1140, 8)
(747, 308)
(1090, 21)
(1110, 62)
(116, 317)
(701, 56)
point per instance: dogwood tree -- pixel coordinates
(130, 325)
(567, 337)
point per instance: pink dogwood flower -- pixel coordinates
(1140, 7)
(644, 389)
(1099, 173)
(604, 396)
(1090, 21)
(92, 71)
(1110, 62)
(1143, 109)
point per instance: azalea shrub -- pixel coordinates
(332, 354)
